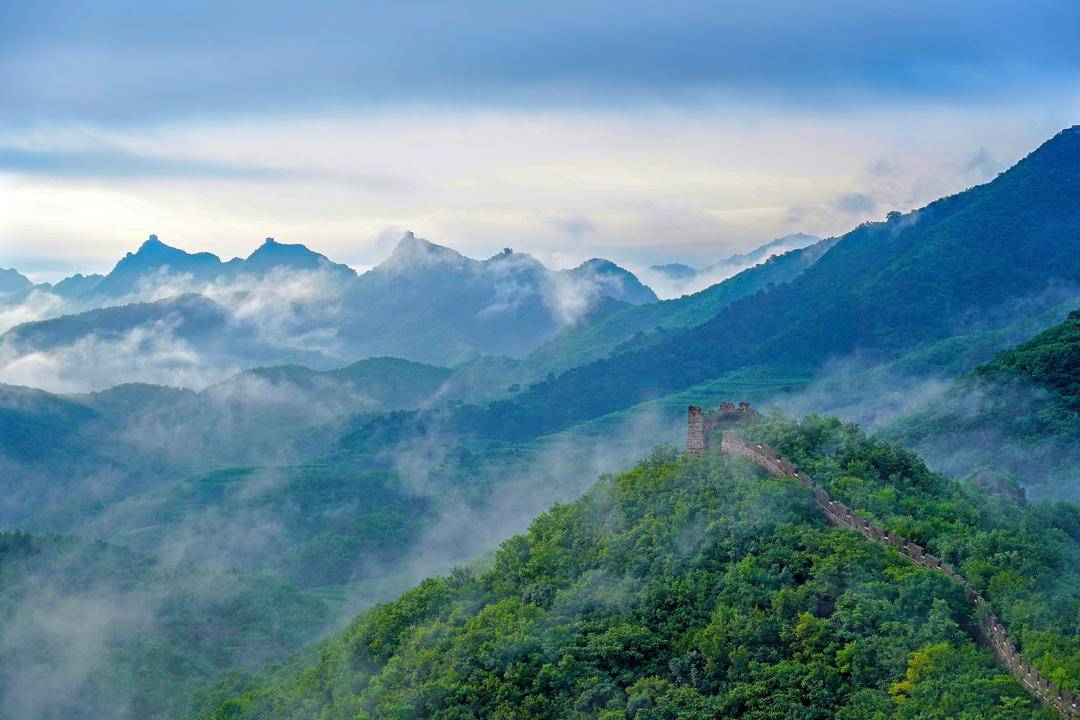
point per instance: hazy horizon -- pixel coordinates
(677, 135)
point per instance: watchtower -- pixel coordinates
(700, 424)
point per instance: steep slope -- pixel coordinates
(90, 630)
(584, 342)
(979, 259)
(1050, 360)
(1018, 414)
(698, 588)
(11, 280)
(682, 277)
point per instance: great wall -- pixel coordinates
(990, 632)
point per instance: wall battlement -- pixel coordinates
(990, 632)
(702, 424)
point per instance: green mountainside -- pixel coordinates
(617, 330)
(1051, 360)
(147, 437)
(1018, 414)
(695, 587)
(978, 259)
(91, 630)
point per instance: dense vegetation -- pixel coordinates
(691, 588)
(311, 525)
(1051, 360)
(1021, 556)
(146, 438)
(90, 630)
(1018, 414)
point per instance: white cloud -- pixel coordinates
(282, 310)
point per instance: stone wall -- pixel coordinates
(990, 632)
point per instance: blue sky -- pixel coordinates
(643, 131)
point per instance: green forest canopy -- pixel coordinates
(695, 587)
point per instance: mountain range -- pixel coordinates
(682, 586)
(285, 303)
(972, 261)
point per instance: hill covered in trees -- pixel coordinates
(695, 587)
(1018, 414)
(90, 630)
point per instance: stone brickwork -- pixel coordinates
(695, 430)
(701, 425)
(990, 632)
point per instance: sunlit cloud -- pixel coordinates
(655, 186)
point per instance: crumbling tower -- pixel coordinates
(699, 424)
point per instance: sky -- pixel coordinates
(643, 132)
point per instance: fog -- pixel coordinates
(192, 334)
(65, 644)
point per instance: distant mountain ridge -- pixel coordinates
(503, 304)
(154, 256)
(978, 259)
(286, 303)
(684, 277)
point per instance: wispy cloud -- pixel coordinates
(124, 60)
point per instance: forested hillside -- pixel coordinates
(88, 451)
(1018, 414)
(697, 587)
(90, 630)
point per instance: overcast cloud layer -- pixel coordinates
(645, 132)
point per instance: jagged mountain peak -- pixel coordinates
(413, 252)
(154, 250)
(12, 280)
